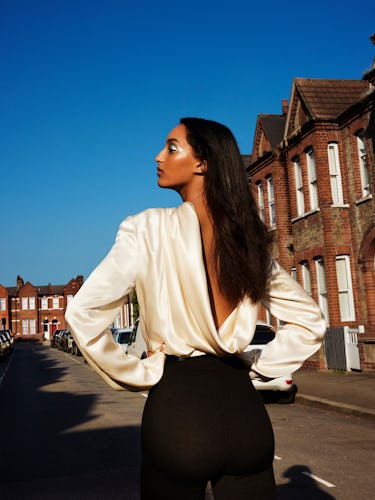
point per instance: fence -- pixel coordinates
(341, 348)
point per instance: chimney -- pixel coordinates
(284, 106)
(20, 282)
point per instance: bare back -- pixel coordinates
(221, 308)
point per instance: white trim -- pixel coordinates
(322, 288)
(312, 177)
(335, 173)
(345, 289)
(298, 179)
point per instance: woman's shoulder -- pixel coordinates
(155, 215)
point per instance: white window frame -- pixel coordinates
(44, 304)
(293, 273)
(55, 303)
(271, 201)
(299, 186)
(268, 317)
(3, 304)
(25, 327)
(363, 165)
(335, 173)
(260, 200)
(306, 277)
(322, 287)
(32, 326)
(345, 288)
(31, 303)
(25, 303)
(313, 182)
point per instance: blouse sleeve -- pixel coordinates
(95, 307)
(301, 331)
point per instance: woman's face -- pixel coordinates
(177, 166)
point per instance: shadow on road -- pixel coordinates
(301, 485)
(42, 455)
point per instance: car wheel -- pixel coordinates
(288, 397)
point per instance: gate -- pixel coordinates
(353, 361)
(334, 344)
(341, 348)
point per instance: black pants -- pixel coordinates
(203, 422)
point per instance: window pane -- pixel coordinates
(25, 327)
(342, 279)
(344, 306)
(31, 302)
(32, 326)
(24, 302)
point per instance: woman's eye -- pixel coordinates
(172, 148)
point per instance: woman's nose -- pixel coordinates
(159, 156)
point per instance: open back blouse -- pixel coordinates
(159, 252)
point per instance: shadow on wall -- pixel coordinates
(301, 485)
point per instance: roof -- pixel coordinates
(329, 98)
(273, 126)
(41, 290)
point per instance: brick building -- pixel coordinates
(37, 311)
(312, 174)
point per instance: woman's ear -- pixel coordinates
(201, 168)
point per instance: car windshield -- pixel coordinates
(262, 337)
(124, 337)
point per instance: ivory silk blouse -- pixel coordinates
(159, 252)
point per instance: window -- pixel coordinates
(268, 317)
(31, 302)
(44, 303)
(322, 287)
(293, 273)
(345, 290)
(3, 304)
(25, 327)
(271, 201)
(335, 174)
(32, 326)
(306, 277)
(299, 186)
(260, 200)
(311, 172)
(363, 166)
(69, 298)
(25, 303)
(28, 326)
(55, 303)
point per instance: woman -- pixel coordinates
(200, 271)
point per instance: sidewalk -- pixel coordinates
(351, 393)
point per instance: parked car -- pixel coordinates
(137, 345)
(283, 388)
(55, 338)
(4, 347)
(122, 336)
(66, 341)
(9, 336)
(74, 349)
(62, 340)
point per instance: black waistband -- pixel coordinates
(230, 359)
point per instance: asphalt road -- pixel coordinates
(65, 435)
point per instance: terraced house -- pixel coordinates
(312, 174)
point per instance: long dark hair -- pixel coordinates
(241, 240)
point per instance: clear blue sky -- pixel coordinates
(89, 89)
